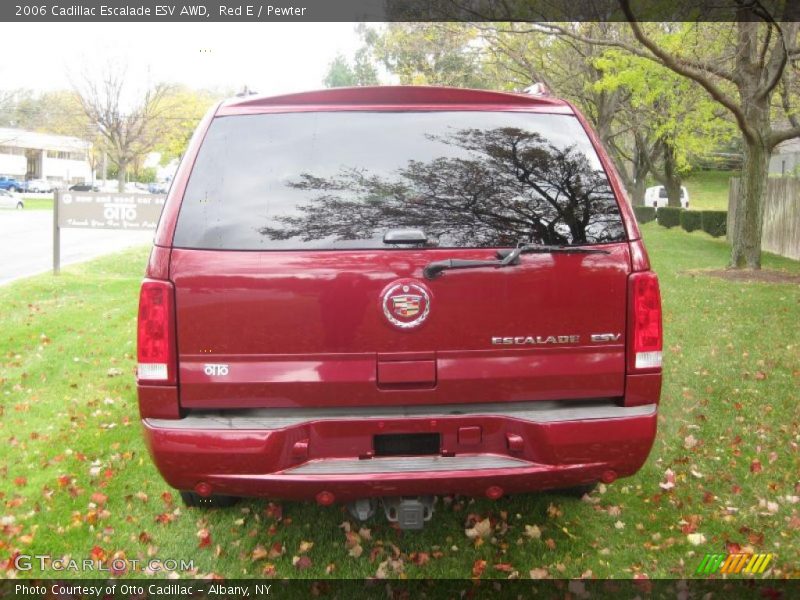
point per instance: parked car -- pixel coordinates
(38, 186)
(11, 184)
(84, 187)
(11, 200)
(134, 187)
(378, 295)
(656, 197)
(158, 188)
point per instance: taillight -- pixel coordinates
(645, 320)
(156, 333)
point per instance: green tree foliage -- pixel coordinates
(342, 73)
(750, 68)
(431, 54)
(677, 119)
(183, 109)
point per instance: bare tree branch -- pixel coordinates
(776, 137)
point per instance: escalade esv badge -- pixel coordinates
(406, 303)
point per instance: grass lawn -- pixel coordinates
(708, 190)
(77, 479)
(38, 203)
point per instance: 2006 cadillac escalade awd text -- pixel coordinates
(394, 293)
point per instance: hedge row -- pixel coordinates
(644, 214)
(691, 220)
(669, 216)
(713, 222)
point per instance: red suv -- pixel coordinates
(387, 294)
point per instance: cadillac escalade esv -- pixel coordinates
(378, 295)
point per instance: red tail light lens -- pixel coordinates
(156, 333)
(646, 336)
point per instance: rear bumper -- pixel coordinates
(298, 453)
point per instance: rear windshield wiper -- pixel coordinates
(506, 258)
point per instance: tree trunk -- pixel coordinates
(123, 167)
(672, 180)
(641, 166)
(749, 209)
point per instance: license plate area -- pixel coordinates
(407, 444)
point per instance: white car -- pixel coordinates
(11, 200)
(39, 185)
(656, 197)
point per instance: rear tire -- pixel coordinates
(195, 500)
(20, 206)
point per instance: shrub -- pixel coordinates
(669, 216)
(691, 220)
(644, 214)
(715, 222)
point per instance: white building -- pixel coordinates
(785, 160)
(59, 159)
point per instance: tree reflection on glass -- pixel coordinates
(499, 187)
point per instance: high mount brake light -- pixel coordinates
(645, 299)
(156, 333)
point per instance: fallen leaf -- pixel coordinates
(733, 547)
(478, 567)
(669, 480)
(533, 532)
(482, 530)
(99, 498)
(97, 554)
(553, 511)
(205, 538)
(301, 562)
(276, 550)
(696, 539)
(538, 573)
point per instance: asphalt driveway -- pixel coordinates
(26, 243)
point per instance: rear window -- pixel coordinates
(339, 180)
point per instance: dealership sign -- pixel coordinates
(95, 210)
(98, 210)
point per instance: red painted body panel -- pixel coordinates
(251, 462)
(305, 329)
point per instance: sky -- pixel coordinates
(270, 58)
